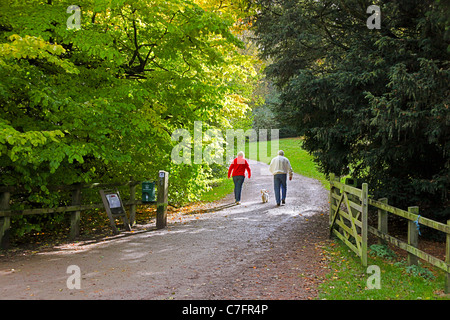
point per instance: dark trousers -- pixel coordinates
(279, 181)
(238, 182)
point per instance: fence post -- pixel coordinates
(4, 221)
(133, 204)
(332, 201)
(162, 199)
(75, 215)
(413, 237)
(447, 260)
(364, 227)
(330, 198)
(382, 221)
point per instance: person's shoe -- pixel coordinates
(278, 204)
(283, 202)
(238, 202)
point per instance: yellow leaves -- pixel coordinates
(238, 98)
(29, 47)
(235, 106)
(236, 10)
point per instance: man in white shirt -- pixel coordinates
(280, 167)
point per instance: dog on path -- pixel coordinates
(264, 195)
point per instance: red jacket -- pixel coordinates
(238, 167)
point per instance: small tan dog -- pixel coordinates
(264, 195)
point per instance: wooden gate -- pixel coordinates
(348, 216)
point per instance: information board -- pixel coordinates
(114, 208)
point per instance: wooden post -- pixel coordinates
(75, 216)
(5, 221)
(333, 202)
(447, 260)
(364, 226)
(133, 204)
(413, 237)
(382, 221)
(162, 199)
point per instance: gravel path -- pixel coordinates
(248, 251)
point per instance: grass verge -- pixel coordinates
(349, 280)
(220, 188)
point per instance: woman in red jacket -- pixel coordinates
(237, 170)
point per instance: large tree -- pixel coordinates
(370, 102)
(94, 92)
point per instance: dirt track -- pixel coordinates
(251, 251)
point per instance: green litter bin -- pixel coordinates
(148, 192)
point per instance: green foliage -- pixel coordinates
(187, 183)
(264, 116)
(417, 270)
(373, 103)
(382, 251)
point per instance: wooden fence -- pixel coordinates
(349, 208)
(74, 209)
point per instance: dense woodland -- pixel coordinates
(94, 94)
(373, 103)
